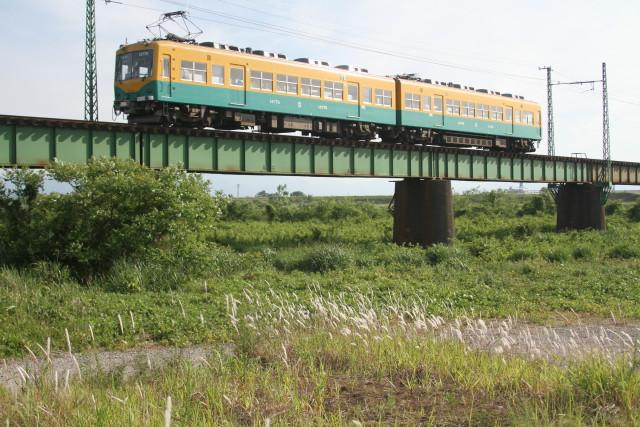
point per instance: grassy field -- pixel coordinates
(500, 264)
(506, 261)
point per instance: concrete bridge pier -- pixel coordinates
(423, 212)
(579, 207)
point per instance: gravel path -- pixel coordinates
(65, 367)
(556, 343)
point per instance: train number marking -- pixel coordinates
(274, 101)
(322, 107)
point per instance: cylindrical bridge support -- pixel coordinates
(423, 212)
(579, 207)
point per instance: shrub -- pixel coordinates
(521, 254)
(325, 258)
(532, 207)
(407, 256)
(613, 207)
(441, 253)
(581, 252)
(117, 210)
(624, 252)
(319, 259)
(634, 212)
(50, 272)
(124, 276)
(556, 255)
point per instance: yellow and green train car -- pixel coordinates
(174, 83)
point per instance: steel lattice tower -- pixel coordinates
(90, 65)
(606, 143)
(551, 147)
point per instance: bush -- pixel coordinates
(325, 258)
(536, 205)
(556, 255)
(117, 210)
(624, 252)
(445, 254)
(521, 255)
(50, 272)
(612, 207)
(319, 259)
(634, 212)
(581, 253)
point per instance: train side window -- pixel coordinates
(166, 66)
(528, 117)
(453, 107)
(287, 84)
(508, 114)
(482, 111)
(437, 104)
(469, 109)
(426, 103)
(352, 93)
(261, 80)
(517, 116)
(237, 76)
(186, 71)
(366, 95)
(333, 90)
(411, 101)
(217, 73)
(193, 71)
(310, 87)
(292, 84)
(200, 72)
(383, 97)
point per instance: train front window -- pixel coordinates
(134, 65)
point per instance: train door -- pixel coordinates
(438, 110)
(508, 117)
(353, 100)
(166, 86)
(238, 85)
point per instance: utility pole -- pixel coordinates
(551, 148)
(605, 176)
(606, 143)
(90, 65)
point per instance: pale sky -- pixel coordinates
(496, 45)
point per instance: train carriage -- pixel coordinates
(183, 84)
(456, 116)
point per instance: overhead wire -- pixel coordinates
(350, 30)
(311, 36)
(252, 24)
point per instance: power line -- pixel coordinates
(349, 30)
(281, 30)
(311, 36)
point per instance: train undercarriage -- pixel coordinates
(192, 116)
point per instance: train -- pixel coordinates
(176, 83)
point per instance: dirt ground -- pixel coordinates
(572, 338)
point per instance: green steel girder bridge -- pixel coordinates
(423, 208)
(36, 142)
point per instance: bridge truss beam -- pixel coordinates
(36, 142)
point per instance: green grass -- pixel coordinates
(341, 365)
(499, 265)
(506, 260)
